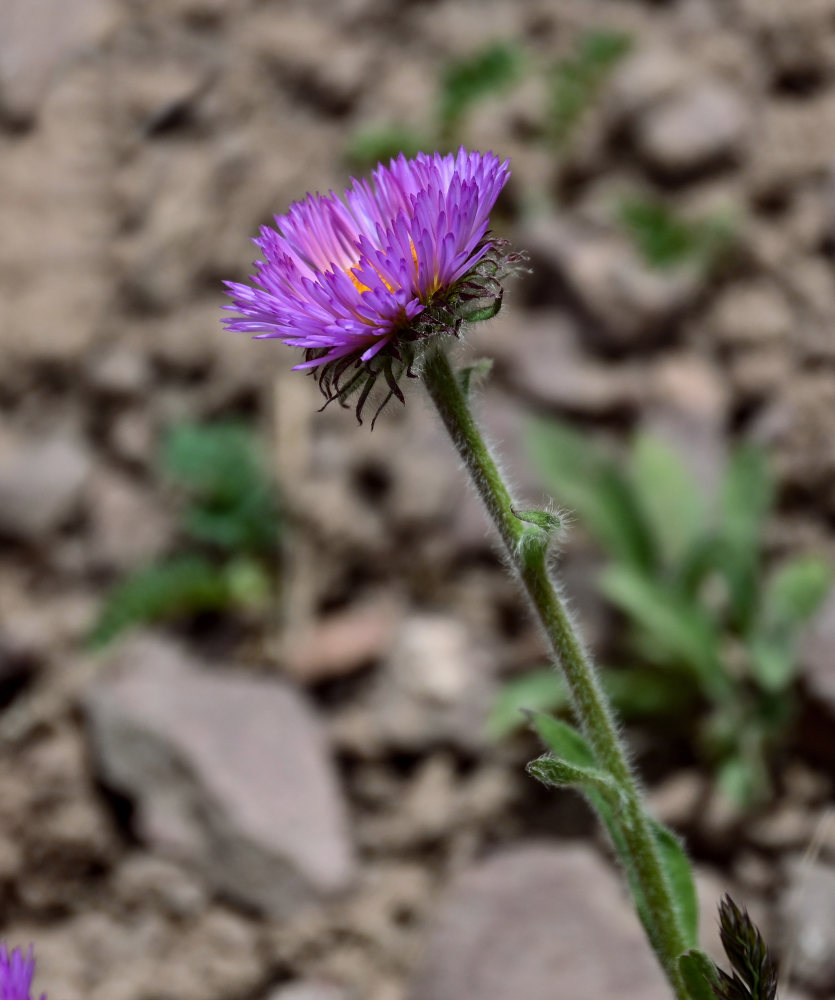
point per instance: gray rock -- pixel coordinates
(537, 921)
(647, 77)
(226, 771)
(38, 38)
(309, 990)
(818, 655)
(807, 917)
(701, 126)
(627, 301)
(41, 483)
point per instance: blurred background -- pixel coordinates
(261, 670)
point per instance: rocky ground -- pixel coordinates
(306, 805)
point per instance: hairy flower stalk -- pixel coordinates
(16, 971)
(371, 286)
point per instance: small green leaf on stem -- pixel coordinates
(551, 770)
(547, 520)
(471, 375)
(699, 974)
(680, 874)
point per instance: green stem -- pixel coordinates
(589, 702)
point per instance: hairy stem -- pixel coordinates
(589, 702)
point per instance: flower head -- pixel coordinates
(16, 971)
(361, 282)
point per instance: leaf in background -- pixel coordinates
(665, 239)
(370, 146)
(234, 505)
(743, 779)
(670, 497)
(795, 591)
(183, 585)
(580, 475)
(577, 81)
(673, 628)
(680, 874)
(537, 691)
(746, 500)
(790, 597)
(643, 692)
(467, 81)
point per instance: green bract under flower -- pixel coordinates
(363, 282)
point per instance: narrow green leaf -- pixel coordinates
(746, 500)
(671, 498)
(181, 585)
(563, 740)
(537, 691)
(471, 375)
(680, 874)
(678, 629)
(699, 975)
(547, 520)
(796, 590)
(480, 74)
(380, 144)
(580, 474)
(578, 79)
(551, 770)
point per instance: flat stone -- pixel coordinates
(808, 925)
(624, 301)
(309, 990)
(703, 125)
(41, 483)
(818, 655)
(37, 39)
(227, 772)
(537, 921)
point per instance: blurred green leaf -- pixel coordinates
(369, 146)
(233, 500)
(791, 596)
(181, 585)
(672, 500)
(678, 629)
(742, 779)
(466, 81)
(577, 80)
(579, 474)
(746, 500)
(665, 239)
(796, 590)
(536, 691)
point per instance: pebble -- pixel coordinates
(808, 924)
(818, 655)
(536, 921)
(41, 484)
(228, 773)
(704, 125)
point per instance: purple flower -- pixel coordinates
(361, 281)
(16, 973)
